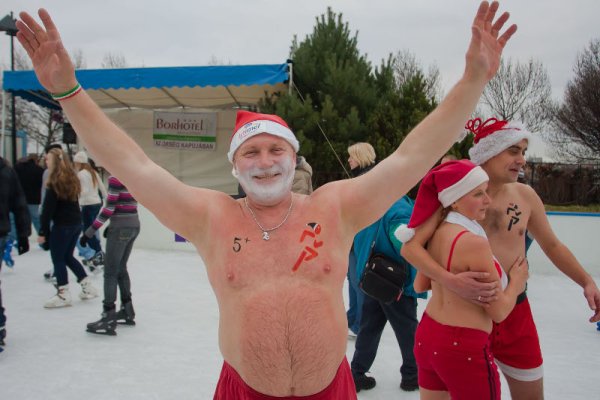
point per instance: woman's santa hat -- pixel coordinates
(248, 124)
(441, 187)
(493, 136)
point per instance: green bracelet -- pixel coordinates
(67, 94)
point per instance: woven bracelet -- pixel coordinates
(68, 94)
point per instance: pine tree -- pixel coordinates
(337, 90)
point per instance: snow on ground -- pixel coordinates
(173, 353)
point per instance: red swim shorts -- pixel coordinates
(232, 387)
(516, 345)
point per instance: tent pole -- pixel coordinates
(291, 84)
(3, 124)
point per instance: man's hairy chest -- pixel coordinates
(507, 218)
(299, 251)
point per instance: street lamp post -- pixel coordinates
(8, 25)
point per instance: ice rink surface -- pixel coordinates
(173, 353)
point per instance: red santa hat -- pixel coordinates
(493, 136)
(248, 124)
(441, 187)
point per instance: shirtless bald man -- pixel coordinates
(282, 320)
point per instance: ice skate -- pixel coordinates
(62, 298)
(49, 276)
(126, 314)
(87, 290)
(105, 325)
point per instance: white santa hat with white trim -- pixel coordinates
(249, 124)
(441, 187)
(494, 136)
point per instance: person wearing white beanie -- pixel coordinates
(515, 212)
(80, 157)
(91, 203)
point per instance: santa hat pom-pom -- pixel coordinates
(404, 233)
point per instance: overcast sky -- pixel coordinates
(188, 33)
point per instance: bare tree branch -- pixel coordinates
(406, 67)
(576, 134)
(114, 60)
(520, 92)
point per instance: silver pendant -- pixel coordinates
(266, 236)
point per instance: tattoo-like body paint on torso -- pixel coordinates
(514, 213)
(310, 251)
(237, 243)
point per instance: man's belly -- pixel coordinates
(284, 340)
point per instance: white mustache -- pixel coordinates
(266, 173)
(277, 181)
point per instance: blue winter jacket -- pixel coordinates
(386, 243)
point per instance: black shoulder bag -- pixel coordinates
(383, 278)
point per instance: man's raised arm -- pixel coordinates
(430, 139)
(169, 199)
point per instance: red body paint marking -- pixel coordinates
(309, 252)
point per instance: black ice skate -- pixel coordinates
(2, 336)
(126, 314)
(105, 325)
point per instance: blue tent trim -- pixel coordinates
(25, 84)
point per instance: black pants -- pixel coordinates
(2, 315)
(119, 242)
(402, 316)
(62, 243)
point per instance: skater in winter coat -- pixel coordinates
(61, 207)
(90, 202)
(302, 177)
(12, 199)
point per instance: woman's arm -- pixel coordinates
(48, 208)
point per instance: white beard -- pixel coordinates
(268, 193)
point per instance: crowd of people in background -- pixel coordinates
(61, 197)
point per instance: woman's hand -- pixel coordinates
(519, 272)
